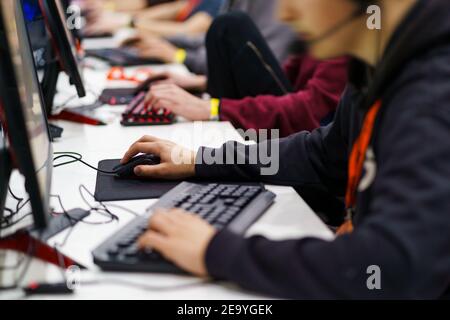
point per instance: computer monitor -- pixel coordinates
(63, 42)
(25, 117)
(5, 169)
(37, 31)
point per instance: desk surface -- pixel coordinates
(288, 218)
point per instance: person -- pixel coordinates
(189, 17)
(117, 5)
(191, 50)
(249, 87)
(386, 152)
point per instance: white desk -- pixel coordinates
(288, 218)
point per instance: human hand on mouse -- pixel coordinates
(176, 161)
(180, 237)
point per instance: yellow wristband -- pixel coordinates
(215, 106)
(180, 56)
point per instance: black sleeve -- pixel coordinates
(315, 159)
(405, 232)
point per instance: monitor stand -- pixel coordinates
(49, 84)
(5, 172)
(82, 115)
(23, 240)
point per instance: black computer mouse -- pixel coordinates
(126, 171)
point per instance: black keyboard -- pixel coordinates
(235, 207)
(139, 113)
(124, 57)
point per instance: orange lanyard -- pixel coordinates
(187, 10)
(356, 164)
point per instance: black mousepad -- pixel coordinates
(111, 188)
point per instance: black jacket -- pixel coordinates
(402, 222)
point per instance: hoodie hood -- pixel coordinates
(425, 28)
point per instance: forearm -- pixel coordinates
(316, 269)
(274, 112)
(165, 11)
(194, 26)
(282, 162)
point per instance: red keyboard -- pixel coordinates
(140, 113)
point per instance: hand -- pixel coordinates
(130, 5)
(181, 238)
(180, 102)
(186, 81)
(107, 22)
(156, 48)
(176, 162)
(116, 5)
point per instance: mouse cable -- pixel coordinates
(103, 210)
(78, 158)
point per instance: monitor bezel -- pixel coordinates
(61, 40)
(16, 120)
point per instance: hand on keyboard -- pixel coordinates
(176, 162)
(179, 101)
(181, 238)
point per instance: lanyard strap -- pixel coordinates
(187, 10)
(356, 164)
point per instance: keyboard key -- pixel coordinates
(131, 251)
(217, 204)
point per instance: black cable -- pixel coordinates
(77, 159)
(71, 220)
(18, 199)
(81, 188)
(16, 222)
(13, 195)
(79, 156)
(124, 209)
(5, 222)
(10, 211)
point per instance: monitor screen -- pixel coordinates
(63, 41)
(37, 31)
(25, 115)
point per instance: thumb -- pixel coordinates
(156, 171)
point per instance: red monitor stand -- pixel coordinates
(24, 243)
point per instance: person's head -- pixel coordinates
(339, 27)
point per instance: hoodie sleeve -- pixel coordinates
(405, 238)
(302, 110)
(305, 159)
(400, 249)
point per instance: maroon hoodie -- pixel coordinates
(318, 87)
